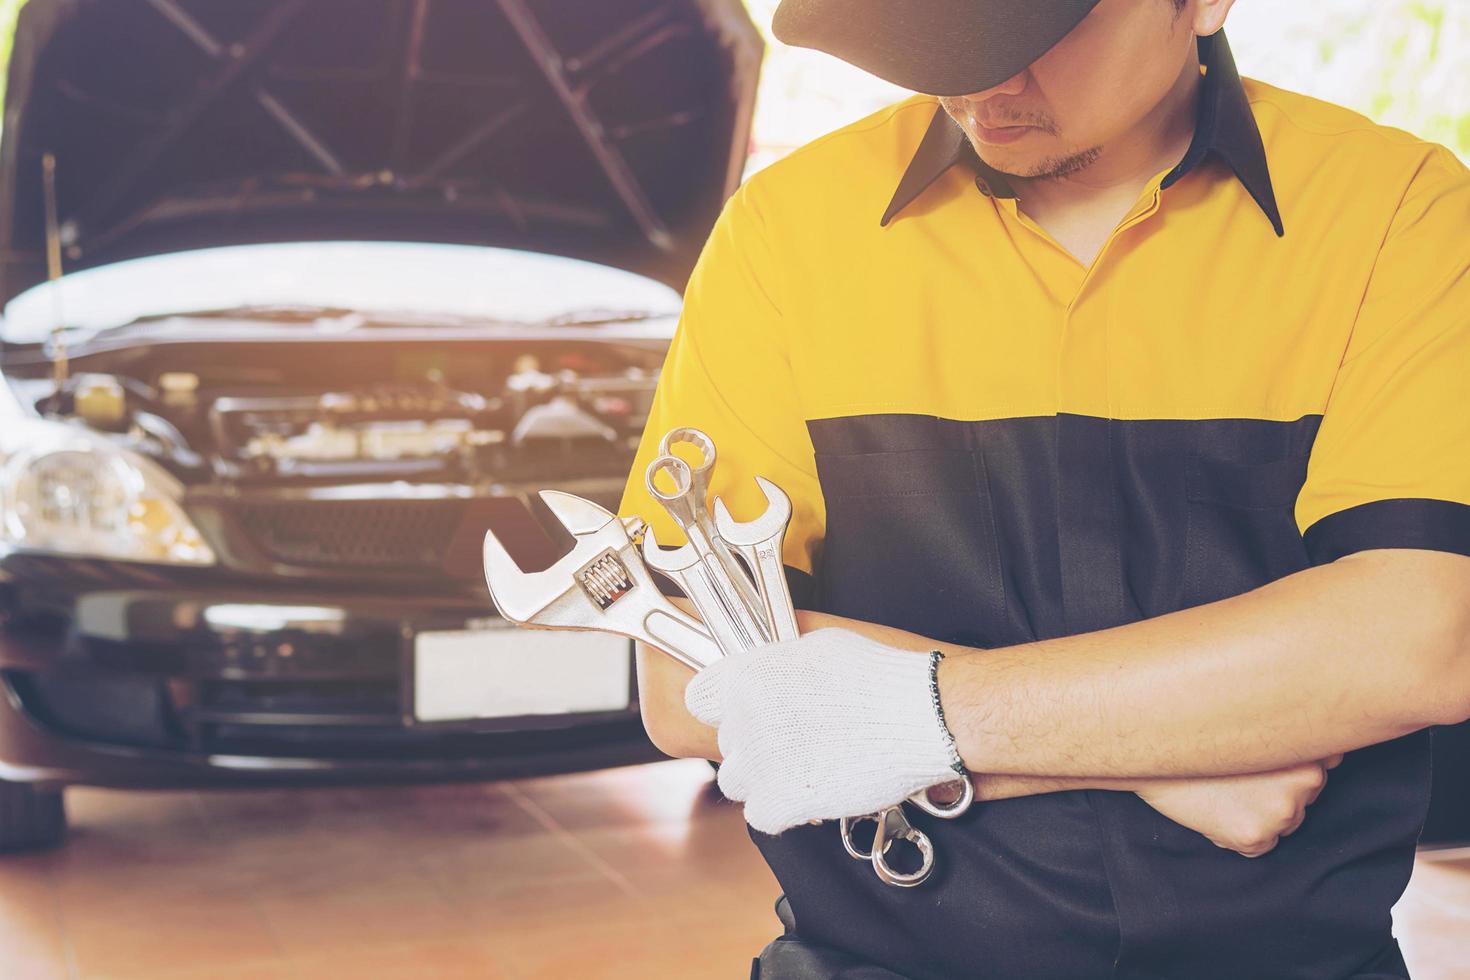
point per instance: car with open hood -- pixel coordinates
(300, 297)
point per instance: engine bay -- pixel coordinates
(245, 413)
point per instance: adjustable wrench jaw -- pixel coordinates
(577, 514)
(601, 584)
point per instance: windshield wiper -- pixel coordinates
(345, 318)
(583, 318)
(286, 312)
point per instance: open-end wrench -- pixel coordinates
(696, 567)
(601, 584)
(698, 495)
(759, 542)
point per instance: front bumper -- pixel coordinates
(124, 675)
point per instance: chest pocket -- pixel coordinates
(911, 542)
(1241, 530)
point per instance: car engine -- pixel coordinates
(385, 458)
(551, 413)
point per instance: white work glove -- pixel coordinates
(830, 725)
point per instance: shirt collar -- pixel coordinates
(1224, 124)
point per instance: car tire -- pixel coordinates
(30, 818)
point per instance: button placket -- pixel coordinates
(1088, 511)
(1134, 217)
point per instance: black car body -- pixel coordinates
(230, 508)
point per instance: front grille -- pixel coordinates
(344, 720)
(406, 535)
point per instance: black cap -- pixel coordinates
(939, 47)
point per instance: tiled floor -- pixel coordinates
(636, 872)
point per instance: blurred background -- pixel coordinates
(570, 864)
(1400, 62)
(1394, 60)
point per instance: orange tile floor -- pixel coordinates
(638, 872)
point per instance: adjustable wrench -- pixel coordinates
(601, 584)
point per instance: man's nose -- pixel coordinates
(1011, 86)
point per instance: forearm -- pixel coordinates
(1001, 786)
(988, 786)
(670, 726)
(1331, 659)
(661, 683)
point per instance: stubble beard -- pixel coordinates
(1048, 167)
(1053, 167)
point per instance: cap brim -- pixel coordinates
(939, 47)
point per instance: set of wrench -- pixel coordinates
(740, 614)
(604, 583)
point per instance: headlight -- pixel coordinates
(65, 490)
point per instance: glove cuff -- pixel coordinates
(955, 762)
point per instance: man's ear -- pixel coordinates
(1209, 15)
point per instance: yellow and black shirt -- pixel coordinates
(987, 442)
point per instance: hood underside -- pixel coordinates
(609, 130)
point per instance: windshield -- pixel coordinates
(464, 282)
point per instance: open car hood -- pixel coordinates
(608, 130)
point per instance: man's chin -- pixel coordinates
(1003, 163)
(1010, 164)
(1033, 165)
(1024, 158)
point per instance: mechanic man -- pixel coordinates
(1139, 392)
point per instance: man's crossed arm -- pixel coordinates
(1223, 717)
(1333, 658)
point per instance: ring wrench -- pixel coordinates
(696, 566)
(699, 485)
(893, 826)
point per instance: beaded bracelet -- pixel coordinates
(955, 762)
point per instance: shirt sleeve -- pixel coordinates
(728, 372)
(1390, 467)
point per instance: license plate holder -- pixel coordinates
(502, 677)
